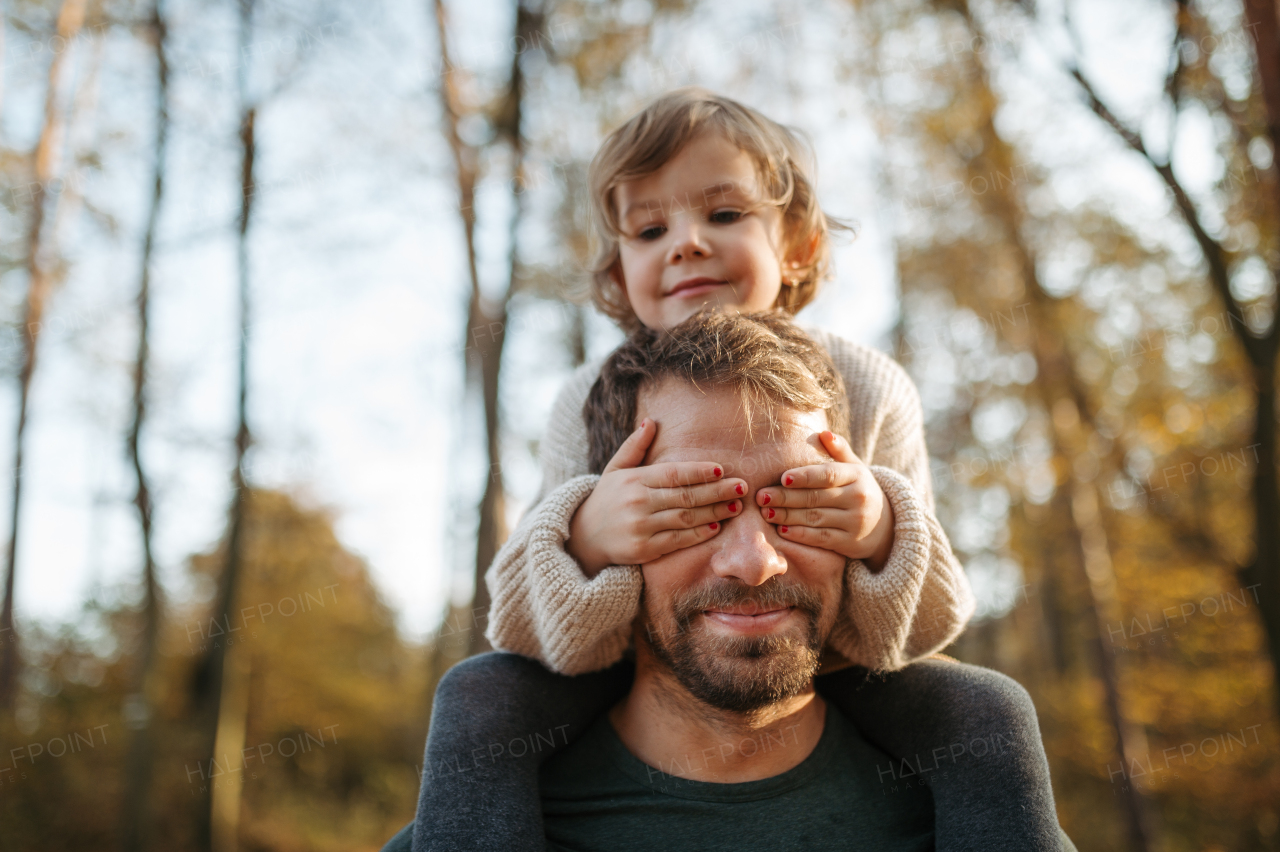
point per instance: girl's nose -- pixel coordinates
(745, 552)
(688, 239)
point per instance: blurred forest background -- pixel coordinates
(287, 289)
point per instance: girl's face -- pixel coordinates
(695, 233)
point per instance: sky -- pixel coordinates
(359, 284)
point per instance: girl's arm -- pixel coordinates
(920, 600)
(544, 606)
(914, 606)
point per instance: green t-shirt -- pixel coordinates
(598, 797)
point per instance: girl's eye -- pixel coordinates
(652, 232)
(726, 217)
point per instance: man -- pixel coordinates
(720, 740)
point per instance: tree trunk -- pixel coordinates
(492, 530)
(1095, 559)
(493, 526)
(228, 749)
(1264, 570)
(486, 321)
(1062, 393)
(1263, 24)
(1262, 351)
(136, 811)
(40, 283)
(212, 679)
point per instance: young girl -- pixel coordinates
(697, 201)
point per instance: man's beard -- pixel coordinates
(740, 674)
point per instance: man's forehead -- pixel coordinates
(766, 455)
(693, 422)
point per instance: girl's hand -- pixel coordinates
(636, 514)
(837, 506)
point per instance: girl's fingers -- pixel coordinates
(824, 537)
(839, 448)
(697, 495)
(809, 498)
(830, 475)
(680, 474)
(631, 453)
(669, 541)
(827, 518)
(683, 519)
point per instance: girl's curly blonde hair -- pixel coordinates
(783, 160)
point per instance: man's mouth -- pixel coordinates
(748, 618)
(695, 286)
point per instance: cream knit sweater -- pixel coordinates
(545, 607)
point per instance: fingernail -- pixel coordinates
(733, 505)
(765, 501)
(714, 526)
(739, 490)
(717, 472)
(771, 514)
(782, 529)
(788, 479)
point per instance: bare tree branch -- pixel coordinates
(487, 318)
(136, 806)
(39, 287)
(1261, 21)
(1260, 350)
(1264, 566)
(1173, 81)
(216, 679)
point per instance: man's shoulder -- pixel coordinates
(588, 759)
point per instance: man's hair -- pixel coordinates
(651, 138)
(764, 356)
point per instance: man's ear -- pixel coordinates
(642, 631)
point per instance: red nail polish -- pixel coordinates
(765, 501)
(733, 506)
(714, 526)
(739, 490)
(771, 514)
(717, 472)
(782, 529)
(788, 479)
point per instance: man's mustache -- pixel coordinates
(751, 600)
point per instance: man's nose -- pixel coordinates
(689, 239)
(745, 549)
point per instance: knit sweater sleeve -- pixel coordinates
(920, 600)
(543, 606)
